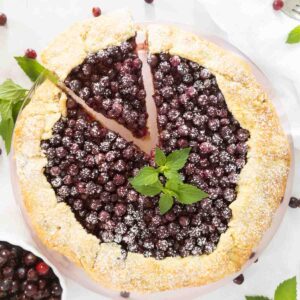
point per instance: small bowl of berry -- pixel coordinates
(26, 274)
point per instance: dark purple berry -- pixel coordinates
(294, 202)
(30, 53)
(239, 280)
(3, 19)
(96, 11)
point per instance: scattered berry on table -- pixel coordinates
(3, 19)
(96, 11)
(239, 280)
(149, 1)
(30, 53)
(125, 294)
(294, 202)
(278, 4)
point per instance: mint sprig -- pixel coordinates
(294, 36)
(12, 96)
(147, 181)
(11, 101)
(287, 290)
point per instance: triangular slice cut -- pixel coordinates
(110, 81)
(99, 62)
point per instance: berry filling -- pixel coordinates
(192, 112)
(25, 276)
(89, 166)
(110, 82)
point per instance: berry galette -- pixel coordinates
(77, 149)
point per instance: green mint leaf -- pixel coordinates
(257, 298)
(145, 176)
(34, 69)
(177, 159)
(149, 190)
(173, 184)
(165, 203)
(287, 290)
(16, 109)
(147, 180)
(6, 124)
(172, 187)
(5, 110)
(294, 36)
(169, 192)
(11, 101)
(171, 174)
(189, 194)
(11, 91)
(160, 157)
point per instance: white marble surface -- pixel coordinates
(250, 25)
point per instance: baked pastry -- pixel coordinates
(73, 167)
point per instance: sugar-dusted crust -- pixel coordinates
(260, 188)
(71, 47)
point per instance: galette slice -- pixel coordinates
(97, 59)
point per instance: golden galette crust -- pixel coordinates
(71, 47)
(260, 188)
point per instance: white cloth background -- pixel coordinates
(251, 25)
